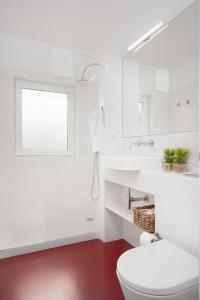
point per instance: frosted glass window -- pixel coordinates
(44, 120)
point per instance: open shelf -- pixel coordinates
(121, 211)
(124, 178)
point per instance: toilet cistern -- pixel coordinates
(133, 199)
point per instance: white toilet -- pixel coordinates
(158, 271)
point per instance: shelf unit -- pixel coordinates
(171, 191)
(120, 211)
(118, 219)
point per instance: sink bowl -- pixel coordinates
(131, 163)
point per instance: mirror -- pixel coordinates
(160, 80)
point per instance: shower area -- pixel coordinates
(50, 195)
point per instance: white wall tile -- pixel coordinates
(42, 198)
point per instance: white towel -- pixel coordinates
(96, 129)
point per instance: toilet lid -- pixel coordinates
(159, 268)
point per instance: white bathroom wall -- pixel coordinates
(149, 12)
(147, 15)
(184, 87)
(44, 198)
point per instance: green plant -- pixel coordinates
(181, 156)
(169, 155)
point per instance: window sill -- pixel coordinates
(20, 152)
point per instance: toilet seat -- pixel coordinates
(158, 269)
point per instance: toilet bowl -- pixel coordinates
(158, 271)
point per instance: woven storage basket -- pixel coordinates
(143, 219)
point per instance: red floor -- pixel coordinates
(83, 271)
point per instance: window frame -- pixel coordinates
(48, 87)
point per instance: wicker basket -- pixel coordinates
(143, 218)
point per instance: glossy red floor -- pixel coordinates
(82, 271)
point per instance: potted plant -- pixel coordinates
(180, 160)
(168, 159)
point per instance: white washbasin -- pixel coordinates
(131, 163)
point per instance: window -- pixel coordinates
(44, 119)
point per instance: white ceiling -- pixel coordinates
(178, 43)
(84, 25)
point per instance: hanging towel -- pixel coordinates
(96, 126)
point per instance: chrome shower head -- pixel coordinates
(83, 79)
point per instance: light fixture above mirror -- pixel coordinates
(149, 35)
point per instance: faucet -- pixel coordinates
(131, 145)
(151, 142)
(133, 199)
(140, 142)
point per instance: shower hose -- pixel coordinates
(95, 179)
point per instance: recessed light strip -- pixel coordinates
(149, 35)
(150, 38)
